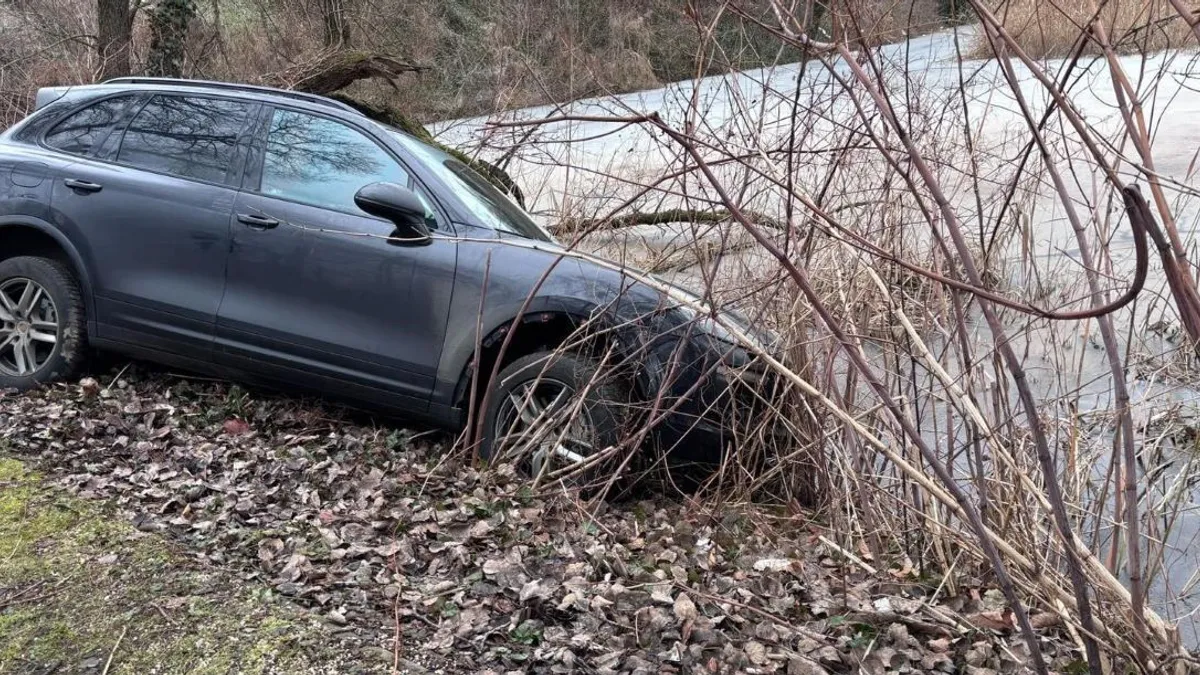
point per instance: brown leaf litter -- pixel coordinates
(403, 547)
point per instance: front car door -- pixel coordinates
(316, 291)
(149, 210)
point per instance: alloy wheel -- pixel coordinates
(538, 422)
(28, 327)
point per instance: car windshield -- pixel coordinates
(489, 206)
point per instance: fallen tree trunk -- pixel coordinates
(661, 218)
(336, 70)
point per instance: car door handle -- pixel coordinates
(82, 185)
(257, 222)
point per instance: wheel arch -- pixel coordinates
(26, 235)
(536, 329)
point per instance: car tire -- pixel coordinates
(603, 410)
(28, 357)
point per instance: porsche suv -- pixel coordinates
(281, 238)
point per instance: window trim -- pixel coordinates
(117, 127)
(256, 162)
(233, 177)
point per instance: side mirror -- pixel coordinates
(399, 205)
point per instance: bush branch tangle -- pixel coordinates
(888, 256)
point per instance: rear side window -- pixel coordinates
(322, 162)
(82, 130)
(186, 136)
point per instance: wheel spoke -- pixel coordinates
(566, 453)
(29, 298)
(544, 405)
(546, 425)
(19, 357)
(521, 407)
(535, 406)
(31, 355)
(29, 319)
(580, 439)
(7, 308)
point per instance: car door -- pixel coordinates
(316, 292)
(150, 211)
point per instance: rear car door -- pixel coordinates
(316, 293)
(150, 212)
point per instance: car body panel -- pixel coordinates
(157, 273)
(315, 293)
(26, 187)
(533, 277)
(334, 292)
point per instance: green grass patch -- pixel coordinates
(79, 586)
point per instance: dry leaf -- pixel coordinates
(89, 387)
(756, 652)
(772, 565)
(309, 503)
(939, 645)
(685, 609)
(1045, 620)
(992, 620)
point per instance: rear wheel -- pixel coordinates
(551, 412)
(42, 322)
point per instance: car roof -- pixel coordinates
(255, 92)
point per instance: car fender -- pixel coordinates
(497, 323)
(76, 260)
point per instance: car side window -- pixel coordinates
(186, 136)
(82, 130)
(322, 162)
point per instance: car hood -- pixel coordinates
(675, 295)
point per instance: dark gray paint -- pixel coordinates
(187, 272)
(158, 268)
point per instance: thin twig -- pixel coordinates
(111, 654)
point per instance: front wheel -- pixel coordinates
(41, 322)
(553, 414)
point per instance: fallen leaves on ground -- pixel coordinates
(385, 535)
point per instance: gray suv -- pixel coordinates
(280, 238)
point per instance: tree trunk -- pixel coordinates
(953, 10)
(114, 31)
(816, 12)
(837, 18)
(169, 24)
(337, 28)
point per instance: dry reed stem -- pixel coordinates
(1111, 346)
(1050, 29)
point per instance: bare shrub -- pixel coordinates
(482, 55)
(889, 215)
(876, 23)
(46, 45)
